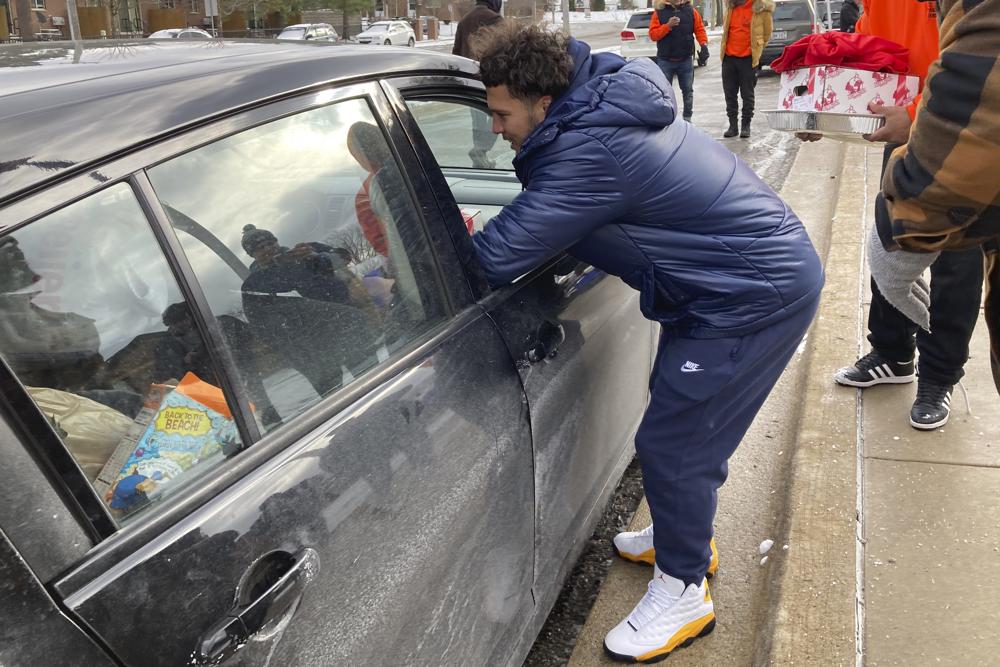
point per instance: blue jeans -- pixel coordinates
(684, 69)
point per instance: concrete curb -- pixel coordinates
(815, 615)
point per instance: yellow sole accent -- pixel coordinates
(690, 631)
(648, 557)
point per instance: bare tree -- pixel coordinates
(24, 20)
(354, 242)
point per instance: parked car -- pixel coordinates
(635, 37)
(258, 403)
(833, 21)
(388, 33)
(317, 32)
(793, 20)
(181, 33)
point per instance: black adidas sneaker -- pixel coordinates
(932, 407)
(873, 369)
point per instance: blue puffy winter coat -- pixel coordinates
(609, 177)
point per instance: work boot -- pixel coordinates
(873, 369)
(732, 131)
(637, 546)
(933, 405)
(669, 616)
(745, 130)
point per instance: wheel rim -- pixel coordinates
(387, 43)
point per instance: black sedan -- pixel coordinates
(258, 404)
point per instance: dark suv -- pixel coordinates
(793, 20)
(258, 404)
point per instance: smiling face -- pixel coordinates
(513, 118)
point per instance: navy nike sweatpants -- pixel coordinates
(704, 394)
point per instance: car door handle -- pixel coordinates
(549, 337)
(268, 609)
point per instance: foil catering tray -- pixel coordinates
(843, 126)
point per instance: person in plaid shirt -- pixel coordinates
(941, 190)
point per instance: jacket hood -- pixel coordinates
(763, 6)
(607, 91)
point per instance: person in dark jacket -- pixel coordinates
(850, 12)
(719, 259)
(486, 13)
(674, 26)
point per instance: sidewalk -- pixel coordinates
(893, 534)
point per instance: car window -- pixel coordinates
(303, 231)
(95, 327)
(461, 136)
(639, 20)
(792, 11)
(378, 27)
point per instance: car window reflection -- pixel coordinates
(97, 331)
(304, 230)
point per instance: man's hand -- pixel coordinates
(897, 275)
(703, 55)
(897, 124)
(673, 22)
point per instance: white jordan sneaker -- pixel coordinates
(637, 546)
(669, 616)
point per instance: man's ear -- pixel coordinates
(546, 101)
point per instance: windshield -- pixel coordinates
(639, 20)
(292, 33)
(792, 11)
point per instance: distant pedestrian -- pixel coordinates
(849, 14)
(486, 13)
(746, 28)
(674, 26)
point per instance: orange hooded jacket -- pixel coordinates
(910, 23)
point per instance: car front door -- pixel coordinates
(582, 347)
(361, 489)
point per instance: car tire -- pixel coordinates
(387, 42)
(411, 42)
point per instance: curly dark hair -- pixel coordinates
(528, 60)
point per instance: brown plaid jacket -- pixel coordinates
(942, 189)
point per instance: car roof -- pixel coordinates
(308, 25)
(63, 108)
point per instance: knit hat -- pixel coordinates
(254, 238)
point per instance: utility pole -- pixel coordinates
(565, 13)
(74, 20)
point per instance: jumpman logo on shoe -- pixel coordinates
(691, 367)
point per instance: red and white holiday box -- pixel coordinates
(843, 90)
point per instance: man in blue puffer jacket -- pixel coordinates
(719, 259)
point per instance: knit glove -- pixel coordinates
(703, 55)
(898, 276)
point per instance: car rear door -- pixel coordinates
(371, 501)
(582, 347)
